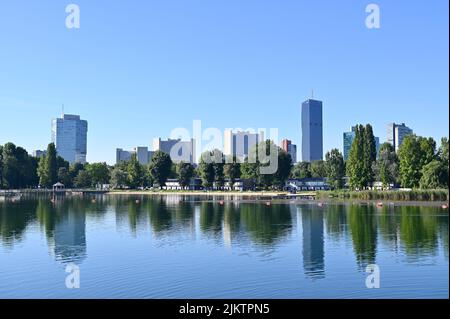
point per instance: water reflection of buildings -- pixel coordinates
(65, 226)
(313, 243)
(70, 237)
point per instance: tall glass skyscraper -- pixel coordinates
(348, 141)
(69, 133)
(312, 131)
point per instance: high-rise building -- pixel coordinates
(39, 153)
(348, 141)
(122, 156)
(312, 131)
(179, 151)
(143, 155)
(377, 144)
(241, 143)
(69, 133)
(349, 137)
(396, 133)
(290, 148)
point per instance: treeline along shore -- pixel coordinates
(419, 170)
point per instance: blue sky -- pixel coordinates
(137, 69)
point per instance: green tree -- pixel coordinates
(160, 167)
(1, 166)
(318, 169)
(135, 172)
(185, 172)
(302, 170)
(428, 150)
(443, 156)
(434, 175)
(118, 177)
(284, 168)
(414, 153)
(48, 168)
(369, 155)
(61, 162)
(444, 151)
(99, 173)
(386, 168)
(355, 162)
(17, 167)
(10, 166)
(219, 176)
(249, 170)
(335, 168)
(232, 170)
(83, 179)
(74, 169)
(206, 169)
(26, 169)
(64, 176)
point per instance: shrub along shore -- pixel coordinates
(432, 195)
(393, 195)
(436, 195)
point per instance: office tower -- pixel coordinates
(122, 156)
(69, 133)
(290, 148)
(39, 153)
(179, 151)
(312, 131)
(348, 141)
(396, 133)
(143, 155)
(377, 144)
(241, 143)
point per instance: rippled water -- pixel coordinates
(189, 247)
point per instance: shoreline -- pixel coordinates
(283, 198)
(246, 196)
(212, 193)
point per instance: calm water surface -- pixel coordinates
(188, 247)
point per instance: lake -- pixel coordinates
(140, 246)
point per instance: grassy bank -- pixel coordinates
(394, 195)
(197, 193)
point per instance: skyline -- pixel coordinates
(136, 72)
(223, 147)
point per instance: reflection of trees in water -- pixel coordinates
(388, 225)
(46, 216)
(443, 231)
(266, 224)
(336, 221)
(418, 230)
(363, 228)
(159, 215)
(211, 216)
(14, 219)
(130, 211)
(183, 214)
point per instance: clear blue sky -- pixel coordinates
(137, 69)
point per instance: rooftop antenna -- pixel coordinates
(63, 110)
(312, 94)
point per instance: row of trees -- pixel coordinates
(417, 164)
